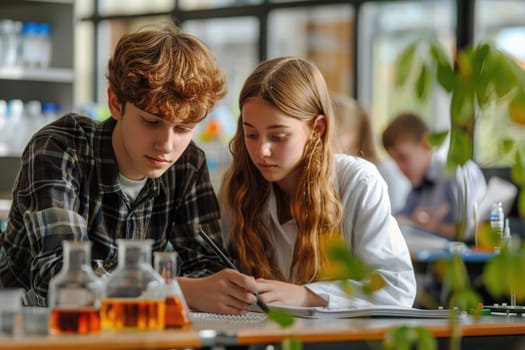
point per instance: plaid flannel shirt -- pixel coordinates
(68, 189)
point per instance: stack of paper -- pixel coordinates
(419, 240)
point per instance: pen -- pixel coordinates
(218, 251)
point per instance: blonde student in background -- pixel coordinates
(286, 190)
(354, 135)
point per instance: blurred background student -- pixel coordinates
(354, 135)
(433, 204)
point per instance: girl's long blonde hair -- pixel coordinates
(297, 88)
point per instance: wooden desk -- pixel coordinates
(501, 329)
(351, 330)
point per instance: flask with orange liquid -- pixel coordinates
(134, 293)
(75, 292)
(177, 312)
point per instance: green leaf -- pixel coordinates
(462, 105)
(493, 277)
(515, 275)
(479, 58)
(446, 77)
(423, 82)
(521, 201)
(338, 251)
(404, 337)
(283, 318)
(456, 277)
(517, 108)
(444, 71)
(504, 273)
(347, 287)
(425, 339)
(375, 283)
(482, 83)
(453, 273)
(506, 145)
(502, 76)
(465, 300)
(405, 64)
(439, 54)
(352, 267)
(464, 66)
(291, 344)
(436, 139)
(518, 168)
(398, 338)
(461, 148)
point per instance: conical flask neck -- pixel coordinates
(77, 255)
(134, 253)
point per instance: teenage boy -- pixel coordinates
(433, 204)
(136, 175)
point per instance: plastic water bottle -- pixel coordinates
(3, 126)
(45, 51)
(33, 118)
(50, 112)
(9, 42)
(497, 221)
(30, 44)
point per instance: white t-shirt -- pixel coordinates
(131, 188)
(369, 228)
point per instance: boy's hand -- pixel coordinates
(429, 218)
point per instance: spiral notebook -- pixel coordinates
(369, 311)
(208, 316)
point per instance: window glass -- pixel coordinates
(235, 44)
(207, 4)
(385, 30)
(500, 22)
(84, 8)
(83, 63)
(83, 56)
(119, 7)
(322, 34)
(109, 32)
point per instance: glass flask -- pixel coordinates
(75, 292)
(177, 313)
(134, 293)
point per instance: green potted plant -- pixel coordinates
(480, 78)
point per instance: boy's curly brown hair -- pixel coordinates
(167, 73)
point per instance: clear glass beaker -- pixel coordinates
(10, 306)
(177, 313)
(75, 292)
(134, 294)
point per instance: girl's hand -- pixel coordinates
(278, 292)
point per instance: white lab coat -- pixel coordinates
(369, 228)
